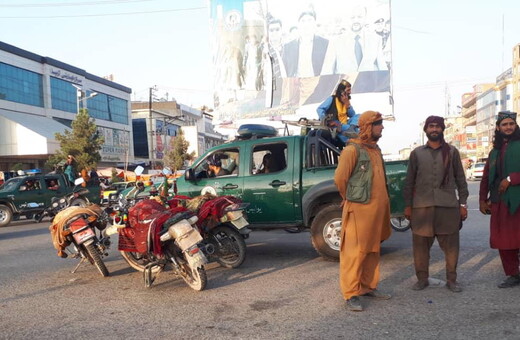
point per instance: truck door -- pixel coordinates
(29, 191)
(220, 173)
(51, 188)
(269, 182)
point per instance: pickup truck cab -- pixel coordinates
(30, 195)
(294, 190)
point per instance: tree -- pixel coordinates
(83, 142)
(178, 153)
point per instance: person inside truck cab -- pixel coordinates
(29, 185)
(267, 164)
(53, 185)
(215, 168)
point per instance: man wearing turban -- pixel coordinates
(365, 221)
(435, 174)
(500, 195)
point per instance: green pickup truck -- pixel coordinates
(296, 192)
(30, 195)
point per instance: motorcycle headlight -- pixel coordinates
(62, 201)
(55, 204)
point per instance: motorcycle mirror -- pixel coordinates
(166, 171)
(139, 170)
(79, 181)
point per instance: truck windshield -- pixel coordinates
(11, 184)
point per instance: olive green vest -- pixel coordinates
(359, 185)
(511, 164)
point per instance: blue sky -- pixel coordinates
(439, 47)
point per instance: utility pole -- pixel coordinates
(152, 90)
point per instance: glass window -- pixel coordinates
(106, 107)
(20, 86)
(218, 164)
(63, 95)
(269, 158)
(140, 138)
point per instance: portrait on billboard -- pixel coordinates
(281, 56)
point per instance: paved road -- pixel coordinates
(282, 291)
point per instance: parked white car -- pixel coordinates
(476, 171)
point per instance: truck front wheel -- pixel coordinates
(326, 232)
(5, 215)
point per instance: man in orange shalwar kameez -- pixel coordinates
(364, 225)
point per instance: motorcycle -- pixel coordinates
(60, 203)
(73, 233)
(152, 237)
(221, 223)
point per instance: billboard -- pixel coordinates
(116, 144)
(278, 58)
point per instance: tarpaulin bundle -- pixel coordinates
(58, 227)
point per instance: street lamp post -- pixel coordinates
(81, 96)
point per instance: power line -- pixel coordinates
(102, 15)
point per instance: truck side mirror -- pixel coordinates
(189, 175)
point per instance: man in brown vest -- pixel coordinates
(434, 175)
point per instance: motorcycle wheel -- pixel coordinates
(138, 261)
(197, 279)
(96, 257)
(230, 247)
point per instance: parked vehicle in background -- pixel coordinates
(113, 191)
(17, 193)
(78, 197)
(293, 189)
(476, 171)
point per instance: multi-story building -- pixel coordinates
(516, 78)
(486, 111)
(489, 103)
(468, 143)
(40, 96)
(156, 124)
(455, 132)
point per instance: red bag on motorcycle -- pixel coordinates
(140, 217)
(214, 209)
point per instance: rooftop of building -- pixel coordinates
(67, 67)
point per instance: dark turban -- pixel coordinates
(434, 119)
(446, 157)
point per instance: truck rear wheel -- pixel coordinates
(400, 224)
(326, 232)
(5, 215)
